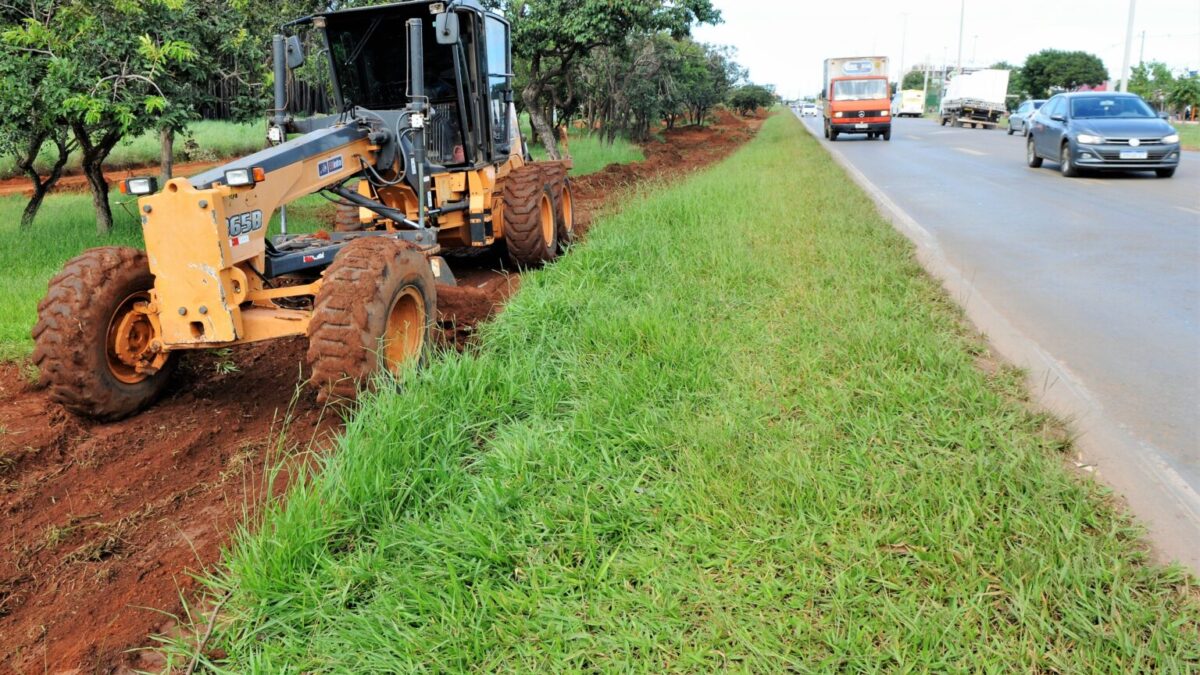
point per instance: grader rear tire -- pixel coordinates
(564, 210)
(530, 230)
(86, 323)
(375, 311)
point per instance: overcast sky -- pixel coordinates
(783, 42)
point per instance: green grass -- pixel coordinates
(1189, 135)
(590, 151)
(214, 140)
(702, 442)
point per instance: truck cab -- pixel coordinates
(857, 97)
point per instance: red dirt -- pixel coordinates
(105, 524)
(77, 182)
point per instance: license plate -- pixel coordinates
(861, 126)
(1134, 154)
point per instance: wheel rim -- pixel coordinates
(127, 345)
(548, 225)
(568, 210)
(1064, 159)
(1029, 151)
(405, 337)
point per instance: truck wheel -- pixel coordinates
(1065, 165)
(530, 230)
(93, 343)
(1031, 156)
(833, 134)
(887, 135)
(943, 121)
(1011, 131)
(826, 127)
(375, 312)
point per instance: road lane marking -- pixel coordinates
(914, 138)
(969, 151)
(1187, 210)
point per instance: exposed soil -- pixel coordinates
(77, 182)
(104, 525)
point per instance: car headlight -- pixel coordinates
(1173, 138)
(1089, 139)
(884, 113)
(838, 114)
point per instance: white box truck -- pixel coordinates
(975, 98)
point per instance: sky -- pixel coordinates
(783, 42)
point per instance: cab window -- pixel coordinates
(498, 83)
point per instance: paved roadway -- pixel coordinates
(1091, 283)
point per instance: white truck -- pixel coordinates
(975, 98)
(908, 103)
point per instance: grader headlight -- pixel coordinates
(139, 186)
(244, 177)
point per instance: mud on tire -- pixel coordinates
(72, 347)
(363, 317)
(528, 202)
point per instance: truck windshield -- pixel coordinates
(859, 90)
(1110, 106)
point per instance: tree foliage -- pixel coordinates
(1152, 81)
(550, 38)
(747, 99)
(1056, 69)
(913, 79)
(1185, 94)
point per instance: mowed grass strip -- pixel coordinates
(738, 428)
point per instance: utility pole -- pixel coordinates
(1142, 53)
(903, 46)
(962, 18)
(925, 87)
(1128, 47)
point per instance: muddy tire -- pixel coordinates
(75, 335)
(530, 230)
(375, 310)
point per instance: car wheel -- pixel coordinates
(1065, 165)
(1165, 173)
(1031, 156)
(1010, 129)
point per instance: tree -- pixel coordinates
(913, 79)
(1185, 94)
(1152, 81)
(104, 59)
(29, 108)
(1056, 69)
(551, 36)
(747, 99)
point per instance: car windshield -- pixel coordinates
(1110, 106)
(860, 90)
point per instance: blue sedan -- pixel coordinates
(1102, 131)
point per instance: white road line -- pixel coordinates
(914, 138)
(969, 151)
(1187, 210)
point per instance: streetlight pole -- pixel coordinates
(962, 18)
(1128, 47)
(903, 46)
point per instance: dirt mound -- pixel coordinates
(105, 524)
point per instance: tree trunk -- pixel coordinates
(166, 158)
(94, 153)
(41, 187)
(536, 107)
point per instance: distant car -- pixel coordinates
(810, 110)
(1018, 122)
(1102, 130)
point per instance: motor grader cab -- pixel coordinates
(426, 155)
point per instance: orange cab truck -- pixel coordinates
(857, 97)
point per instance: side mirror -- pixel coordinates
(1058, 118)
(1164, 115)
(445, 26)
(295, 52)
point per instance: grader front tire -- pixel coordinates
(375, 311)
(530, 226)
(93, 345)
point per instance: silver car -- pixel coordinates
(1019, 120)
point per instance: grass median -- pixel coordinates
(738, 428)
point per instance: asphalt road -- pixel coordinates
(1099, 279)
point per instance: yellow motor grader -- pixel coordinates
(426, 155)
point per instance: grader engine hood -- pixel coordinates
(197, 230)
